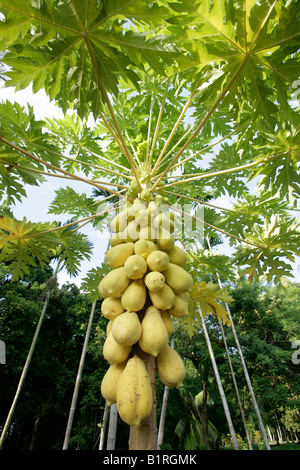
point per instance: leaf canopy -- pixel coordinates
(193, 99)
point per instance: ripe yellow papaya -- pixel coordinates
(177, 256)
(114, 352)
(165, 315)
(114, 283)
(164, 220)
(154, 280)
(158, 261)
(127, 329)
(134, 392)
(135, 267)
(142, 217)
(147, 232)
(178, 278)
(165, 240)
(131, 232)
(110, 382)
(134, 297)
(181, 305)
(111, 307)
(154, 335)
(144, 248)
(120, 221)
(170, 367)
(117, 255)
(163, 299)
(116, 239)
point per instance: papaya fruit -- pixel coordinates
(170, 367)
(181, 305)
(131, 232)
(135, 266)
(144, 248)
(166, 317)
(114, 283)
(114, 352)
(134, 392)
(177, 256)
(147, 232)
(158, 261)
(134, 297)
(178, 278)
(117, 255)
(111, 307)
(164, 220)
(110, 382)
(154, 281)
(120, 221)
(116, 239)
(154, 335)
(165, 240)
(126, 328)
(164, 299)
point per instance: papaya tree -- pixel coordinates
(168, 107)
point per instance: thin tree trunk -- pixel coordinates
(220, 387)
(204, 416)
(236, 389)
(78, 380)
(103, 427)
(144, 436)
(260, 421)
(112, 428)
(163, 414)
(26, 366)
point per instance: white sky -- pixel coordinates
(35, 206)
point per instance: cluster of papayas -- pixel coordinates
(146, 287)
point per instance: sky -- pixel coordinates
(36, 205)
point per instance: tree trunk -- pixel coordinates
(27, 363)
(204, 416)
(78, 379)
(220, 387)
(144, 436)
(112, 428)
(103, 426)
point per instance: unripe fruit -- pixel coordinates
(135, 267)
(164, 299)
(134, 392)
(145, 194)
(158, 261)
(117, 255)
(178, 278)
(110, 382)
(170, 367)
(114, 283)
(127, 329)
(114, 352)
(134, 297)
(177, 256)
(154, 281)
(111, 307)
(154, 332)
